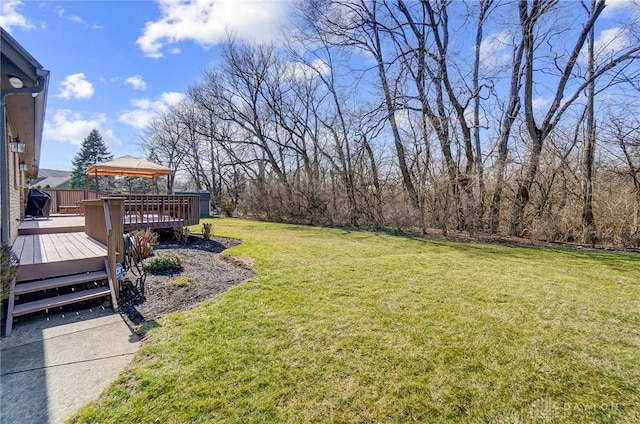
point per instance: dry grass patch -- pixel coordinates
(182, 281)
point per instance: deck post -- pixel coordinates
(104, 222)
(111, 255)
(10, 303)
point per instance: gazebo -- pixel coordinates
(127, 166)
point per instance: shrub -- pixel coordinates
(163, 263)
(144, 240)
(206, 230)
(182, 281)
(9, 264)
(630, 240)
(181, 234)
(228, 209)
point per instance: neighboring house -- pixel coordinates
(51, 178)
(23, 88)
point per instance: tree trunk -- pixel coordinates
(505, 131)
(588, 150)
(391, 109)
(485, 5)
(524, 187)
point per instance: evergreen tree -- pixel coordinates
(93, 150)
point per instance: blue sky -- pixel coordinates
(114, 64)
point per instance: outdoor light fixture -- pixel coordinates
(16, 82)
(23, 166)
(17, 146)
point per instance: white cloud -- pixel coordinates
(171, 98)
(75, 86)
(75, 18)
(624, 6)
(72, 18)
(496, 49)
(611, 41)
(70, 127)
(10, 17)
(145, 110)
(540, 103)
(299, 70)
(207, 22)
(136, 82)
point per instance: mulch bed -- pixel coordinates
(143, 299)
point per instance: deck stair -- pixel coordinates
(51, 285)
(43, 294)
(57, 269)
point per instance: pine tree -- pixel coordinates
(93, 150)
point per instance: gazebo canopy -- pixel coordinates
(128, 166)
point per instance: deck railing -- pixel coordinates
(95, 224)
(140, 210)
(160, 211)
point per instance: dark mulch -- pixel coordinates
(145, 299)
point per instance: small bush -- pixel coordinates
(228, 209)
(9, 264)
(144, 240)
(182, 281)
(181, 234)
(163, 263)
(630, 240)
(206, 230)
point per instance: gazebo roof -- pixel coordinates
(129, 166)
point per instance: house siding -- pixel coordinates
(16, 184)
(15, 197)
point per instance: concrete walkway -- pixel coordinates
(49, 368)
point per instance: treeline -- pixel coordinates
(516, 118)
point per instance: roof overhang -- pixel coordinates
(25, 107)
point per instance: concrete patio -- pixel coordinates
(51, 366)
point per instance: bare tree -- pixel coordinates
(530, 15)
(509, 115)
(164, 140)
(588, 149)
(624, 133)
(484, 8)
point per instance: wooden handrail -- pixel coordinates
(111, 255)
(103, 222)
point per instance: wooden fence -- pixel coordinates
(67, 200)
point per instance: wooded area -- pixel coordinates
(505, 117)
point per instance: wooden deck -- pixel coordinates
(60, 255)
(53, 224)
(54, 254)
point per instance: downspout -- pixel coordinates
(4, 154)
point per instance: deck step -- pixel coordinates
(54, 302)
(52, 283)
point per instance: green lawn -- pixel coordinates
(348, 327)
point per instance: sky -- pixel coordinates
(115, 64)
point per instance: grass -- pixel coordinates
(182, 281)
(346, 326)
